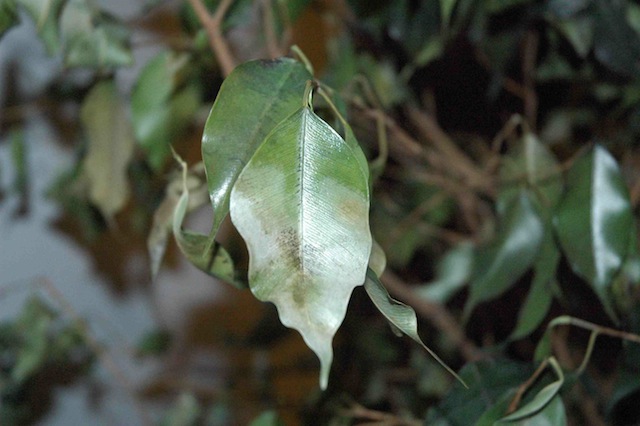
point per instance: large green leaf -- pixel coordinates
(252, 100)
(92, 38)
(514, 250)
(45, 14)
(162, 105)
(110, 146)
(594, 219)
(400, 316)
(302, 206)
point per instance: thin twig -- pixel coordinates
(522, 389)
(374, 417)
(212, 25)
(440, 317)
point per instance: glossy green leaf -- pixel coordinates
(302, 206)
(92, 38)
(162, 105)
(538, 301)
(593, 221)
(489, 381)
(211, 259)
(514, 250)
(452, 274)
(541, 399)
(110, 146)
(45, 14)
(531, 165)
(8, 15)
(252, 100)
(399, 315)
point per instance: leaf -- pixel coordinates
(579, 31)
(163, 216)
(514, 250)
(213, 259)
(399, 315)
(45, 14)
(162, 105)
(446, 10)
(489, 381)
(8, 15)
(93, 38)
(540, 297)
(531, 165)
(377, 260)
(541, 399)
(268, 418)
(452, 273)
(616, 44)
(252, 100)
(302, 206)
(109, 148)
(593, 221)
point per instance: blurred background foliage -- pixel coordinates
(506, 195)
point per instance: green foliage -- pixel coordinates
(489, 146)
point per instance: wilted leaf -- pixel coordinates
(593, 221)
(399, 315)
(252, 100)
(302, 206)
(109, 148)
(92, 38)
(538, 301)
(452, 273)
(541, 399)
(163, 216)
(45, 14)
(211, 259)
(514, 250)
(162, 106)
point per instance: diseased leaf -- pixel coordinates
(211, 259)
(593, 221)
(45, 14)
(162, 105)
(538, 302)
(252, 100)
(541, 399)
(399, 315)
(92, 38)
(514, 250)
(302, 206)
(109, 148)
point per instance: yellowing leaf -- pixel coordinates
(109, 148)
(302, 206)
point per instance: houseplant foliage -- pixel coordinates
(485, 151)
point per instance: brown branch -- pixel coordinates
(451, 154)
(439, 316)
(374, 417)
(212, 25)
(522, 389)
(530, 53)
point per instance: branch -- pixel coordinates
(212, 25)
